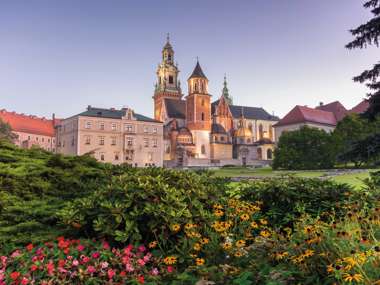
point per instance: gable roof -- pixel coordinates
(251, 113)
(336, 108)
(28, 123)
(303, 114)
(360, 108)
(198, 72)
(113, 114)
(175, 108)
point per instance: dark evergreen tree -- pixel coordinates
(6, 131)
(368, 34)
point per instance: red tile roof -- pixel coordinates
(303, 114)
(360, 108)
(28, 123)
(336, 108)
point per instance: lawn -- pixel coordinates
(354, 179)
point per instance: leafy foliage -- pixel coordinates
(306, 148)
(6, 132)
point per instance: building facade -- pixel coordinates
(31, 130)
(113, 136)
(199, 132)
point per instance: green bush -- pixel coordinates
(306, 148)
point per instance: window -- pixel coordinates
(129, 154)
(28, 138)
(222, 138)
(154, 142)
(271, 132)
(48, 140)
(150, 156)
(195, 87)
(261, 132)
(203, 102)
(53, 140)
(36, 138)
(203, 149)
(101, 126)
(146, 142)
(259, 154)
(72, 141)
(269, 154)
(116, 156)
(87, 125)
(169, 56)
(171, 80)
(203, 116)
(129, 141)
(43, 139)
(168, 149)
(146, 129)
(155, 130)
(87, 140)
(113, 126)
(113, 140)
(101, 140)
(128, 128)
(102, 156)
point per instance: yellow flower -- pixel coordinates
(204, 240)
(218, 213)
(263, 222)
(330, 268)
(308, 230)
(238, 254)
(189, 226)
(308, 253)
(199, 261)
(254, 225)
(227, 245)
(193, 255)
(244, 217)
(240, 243)
(152, 244)
(197, 246)
(354, 277)
(217, 207)
(175, 227)
(265, 233)
(281, 255)
(170, 260)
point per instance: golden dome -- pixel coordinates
(243, 132)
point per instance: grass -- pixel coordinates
(354, 179)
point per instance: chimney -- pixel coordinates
(320, 103)
(88, 107)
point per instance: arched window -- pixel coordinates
(259, 154)
(271, 132)
(195, 87)
(203, 102)
(203, 149)
(261, 132)
(171, 79)
(269, 154)
(203, 116)
(169, 56)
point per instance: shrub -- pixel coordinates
(306, 148)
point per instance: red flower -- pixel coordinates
(61, 263)
(96, 255)
(80, 247)
(123, 273)
(15, 275)
(106, 245)
(24, 281)
(50, 268)
(29, 247)
(170, 269)
(33, 267)
(111, 273)
(140, 279)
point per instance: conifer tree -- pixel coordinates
(365, 35)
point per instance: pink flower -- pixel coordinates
(106, 245)
(96, 255)
(141, 262)
(50, 268)
(91, 269)
(80, 247)
(147, 257)
(111, 273)
(170, 269)
(104, 264)
(125, 259)
(128, 249)
(129, 267)
(3, 260)
(75, 262)
(142, 248)
(24, 281)
(85, 259)
(155, 271)
(2, 276)
(16, 253)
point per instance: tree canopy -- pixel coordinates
(6, 131)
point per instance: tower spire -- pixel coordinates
(168, 38)
(225, 92)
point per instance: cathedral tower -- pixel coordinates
(168, 84)
(198, 111)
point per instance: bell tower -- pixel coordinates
(198, 111)
(168, 84)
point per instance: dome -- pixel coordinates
(243, 132)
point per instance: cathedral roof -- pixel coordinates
(175, 108)
(303, 114)
(113, 114)
(217, 129)
(251, 113)
(336, 108)
(198, 72)
(28, 123)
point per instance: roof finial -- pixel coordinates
(197, 59)
(242, 111)
(167, 37)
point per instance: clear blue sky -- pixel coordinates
(60, 56)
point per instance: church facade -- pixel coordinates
(199, 132)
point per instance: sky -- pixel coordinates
(61, 56)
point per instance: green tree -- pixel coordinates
(368, 34)
(6, 131)
(306, 148)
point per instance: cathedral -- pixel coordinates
(199, 132)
